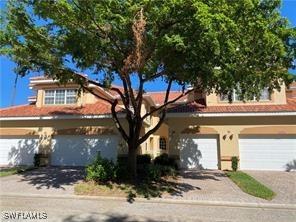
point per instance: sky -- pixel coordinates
(22, 92)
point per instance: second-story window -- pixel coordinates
(60, 96)
(264, 96)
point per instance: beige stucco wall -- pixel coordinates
(151, 145)
(83, 99)
(277, 97)
(45, 130)
(228, 130)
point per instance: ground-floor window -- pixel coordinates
(162, 143)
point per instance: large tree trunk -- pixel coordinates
(132, 160)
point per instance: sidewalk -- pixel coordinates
(157, 200)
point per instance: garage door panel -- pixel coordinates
(81, 150)
(18, 151)
(267, 153)
(198, 153)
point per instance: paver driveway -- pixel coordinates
(47, 180)
(282, 183)
(211, 185)
(208, 185)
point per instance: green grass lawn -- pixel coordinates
(13, 170)
(251, 186)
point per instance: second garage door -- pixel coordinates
(81, 150)
(267, 153)
(198, 152)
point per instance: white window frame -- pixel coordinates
(234, 97)
(54, 97)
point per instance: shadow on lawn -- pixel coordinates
(152, 189)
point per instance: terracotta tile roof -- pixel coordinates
(101, 107)
(199, 108)
(158, 97)
(98, 108)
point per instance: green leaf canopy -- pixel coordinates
(213, 44)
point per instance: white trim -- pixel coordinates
(60, 117)
(231, 114)
(65, 96)
(32, 99)
(178, 115)
(102, 90)
(43, 81)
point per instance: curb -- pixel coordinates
(158, 200)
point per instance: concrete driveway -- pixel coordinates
(47, 180)
(282, 183)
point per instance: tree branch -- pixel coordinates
(113, 112)
(166, 104)
(154, 129)
(75, 24)
(127, 101)
(131, 91)
(111, 88)
(139, 97)
(161, 119)
(117, 123)
(155, 76)
(124, 98)
(98, 26)
(96, 95)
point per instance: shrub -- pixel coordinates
(165, 160)
(152, 172)
(141, 159)
(101, 170)
(144, 159)
(234, 163)
(37, 159)
(167, 171)
(122, 159)
(122, 172)
(155, 172)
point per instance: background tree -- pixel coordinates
(217, 45)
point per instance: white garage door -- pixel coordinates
(265, 153)
(81, 150)
(18, 151)
(198, 152)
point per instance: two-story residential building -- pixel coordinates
(201, 131)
